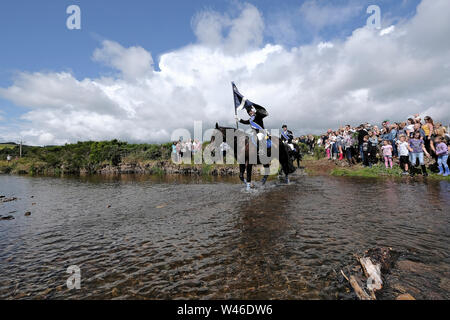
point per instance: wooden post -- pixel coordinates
(20, 149)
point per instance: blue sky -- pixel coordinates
(34, 37)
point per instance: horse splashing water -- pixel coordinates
(242, 152)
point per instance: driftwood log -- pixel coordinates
(368, 274)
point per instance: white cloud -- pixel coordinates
(365, 77)
(232, 35)
(134, 62)
(386, 31)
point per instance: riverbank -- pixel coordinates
(322, 167)
(104, 158)
(342, 169)
(153, 167)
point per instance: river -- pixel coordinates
(144, 237)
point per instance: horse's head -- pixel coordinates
(223, 131)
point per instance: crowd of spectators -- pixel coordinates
(407, 144)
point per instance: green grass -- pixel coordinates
(207, 169)
(158, 171)
(376, 172)
(24, 166)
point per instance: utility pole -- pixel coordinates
(20, 149)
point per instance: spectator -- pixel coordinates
(428, 129)
(373, 147)
(366, 151)
(348, 146)
(174, 152)
(417, 128)
(387, 154)
(403, 152)
(409, 126)
(362, 132)
(224, 148)
(442, 154)
(417, 149)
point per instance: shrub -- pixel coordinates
(304, 149)
(319, 153)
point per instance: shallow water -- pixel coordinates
(183, 237)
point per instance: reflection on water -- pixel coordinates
(183, 237)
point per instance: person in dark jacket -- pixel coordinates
(362, 132)
(287, 136)
(256, 121)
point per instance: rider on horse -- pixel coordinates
(256, 122)
(287, 136)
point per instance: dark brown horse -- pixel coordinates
(241, 151)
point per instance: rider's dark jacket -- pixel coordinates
(289, 137)
(261, 113)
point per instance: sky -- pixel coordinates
(137, 70)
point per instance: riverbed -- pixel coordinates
(177, 237)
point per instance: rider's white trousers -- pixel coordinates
(260, 136)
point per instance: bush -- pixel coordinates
(319, 153)
(304, 149)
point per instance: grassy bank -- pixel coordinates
(104, 157)
(381, 171)
(26, 166)
(340, 169)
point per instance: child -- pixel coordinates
(373, 147)
(442, 154)
(328, 149)
(417, 149)
(387, 154)
(333, 145)
(340, 143)
(366, 151)
(403, 152)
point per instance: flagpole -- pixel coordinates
(235, 110)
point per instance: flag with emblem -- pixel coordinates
(241, 102)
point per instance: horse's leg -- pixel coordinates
(249, 173)
(286, 172)
(241, 173)
(266, 174)
(286, 163)
(249, 176)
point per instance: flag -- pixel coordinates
(240, 103)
